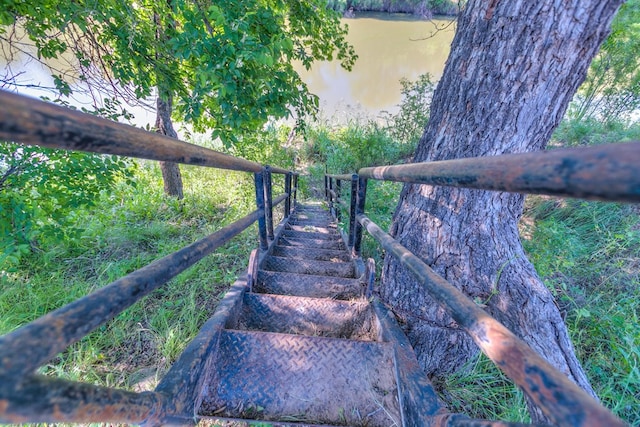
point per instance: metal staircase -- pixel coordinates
(303, 344)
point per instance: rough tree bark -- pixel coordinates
(170, 171)
(513, 68)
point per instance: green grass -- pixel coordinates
(587, 253)
(129, 228)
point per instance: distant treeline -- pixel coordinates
(423, 8)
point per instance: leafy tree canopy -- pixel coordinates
(228, 64)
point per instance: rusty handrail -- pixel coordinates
(31, 121)
(45, 400)
(606, 172)
(344, 177)
(21, 351)
(560, 399)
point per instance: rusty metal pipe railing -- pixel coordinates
(607, 172)
(47, 400)
(35, 122)
(21, 351)
(344, 177)
(560, 399)
(281, 198)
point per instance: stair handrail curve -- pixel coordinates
(607, 172)
(26, 397)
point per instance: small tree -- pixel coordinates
(222, 66)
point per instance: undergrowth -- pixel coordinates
(128, 228)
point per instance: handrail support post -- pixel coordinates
(338, 194)
(352, 210)
(268, 196)
(262, 225)
(360, 204)
(287, 189)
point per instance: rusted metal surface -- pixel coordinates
(39, 399)
(460, 420)
(344, 177)
(281, 198)
(310, 253)
(280, 171)
(304, 266)
(605, 172)
(361, 200)
(322, 317)
(418, 398)
(258, 180)
(32, 345)
(31, 121)
(183, 383)
(268, 201)
(309, 379)
(287, 190)
(352, 210)
(559, 398)
(273, 282)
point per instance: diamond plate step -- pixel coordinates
(284, 377)
(314, 229)
(272, 282)
(307, 316)
(302, 266)
(326, 219)
(335, 236)
(311, 243)
(314, 254)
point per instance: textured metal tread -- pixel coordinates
(311, 235)
(260, 375)
(314, 254)
(303, 266)
(313, 229)
(273, 282)
(320, 317)
(311, 243)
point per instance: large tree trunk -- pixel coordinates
(170, 171)
(513, 68)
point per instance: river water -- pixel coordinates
(390, 47)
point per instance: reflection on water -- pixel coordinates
(390, 47)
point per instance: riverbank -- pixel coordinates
(425, 9)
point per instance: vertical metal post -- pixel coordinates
(352, 210)
(326, 187)
(360, 203)
(262, 225)
(268, 197)
(338, 195)
(295, 190)
(287, 189)
(329, 195)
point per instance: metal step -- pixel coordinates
(281, 377)
(272, 282)
(314, 229)
(314, 254)
(311, 243)
(302, 266)
(311, 235)
(307, 316)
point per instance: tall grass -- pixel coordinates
(128, 228)
(587, 253)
